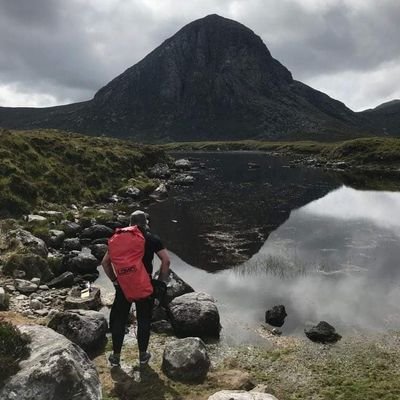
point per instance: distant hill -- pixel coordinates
(385, 118)
(213, 80)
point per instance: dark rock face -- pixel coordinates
(72, 244)
(82, 263)
(276, 316)
(186, 360)
(96, 232)
(66, 279)
(194, 314)
(56, 369)
(86, 328)
(214, 79)
(322, 333)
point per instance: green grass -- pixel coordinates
(364, 151)
(51, 167)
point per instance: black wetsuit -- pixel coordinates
(121, 307)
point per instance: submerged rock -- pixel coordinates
(276, 316)
(195, 314)
(322, 333)
(186, 360)
(56, 369)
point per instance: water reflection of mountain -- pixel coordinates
(230, 211)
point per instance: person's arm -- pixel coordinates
(165, 263)
(106, 264)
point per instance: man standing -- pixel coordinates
(121, 306)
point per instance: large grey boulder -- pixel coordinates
(28, 241)
(175, 286)
(241, 395)
(160, 193)
(56, 369)
(82, 263)
(96, 232)
(186, 360)
(194, 314)
(86, 328)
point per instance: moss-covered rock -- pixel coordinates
(33, 265)
(13, 348)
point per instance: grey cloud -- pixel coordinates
(69, 49)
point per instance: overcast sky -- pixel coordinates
(62, 51)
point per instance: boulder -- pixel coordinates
(186, 360)
(82, 263)
(162, 326)
(183, 163)
(132, 192)
(4, 300)
(26, 240)
(99, 250)
(322, 333)
(183, 179)
(175, 286)
(160, 171)
(75, 301)
(160, 193)
(56, 369)
(56, 238)
(31, 264)
(71, 229)
(86, 328)
(194, 314)
(241, 395)
(66, 279)
(25, 287)
(96, 232)
(72, 244)
(276, 316)
(52, 216)
(36, 219)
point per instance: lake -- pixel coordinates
(259, 237)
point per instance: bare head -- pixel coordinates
(140, 218)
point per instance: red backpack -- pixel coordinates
(126, 250)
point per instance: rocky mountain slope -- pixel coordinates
(214, 79)
(385, 118)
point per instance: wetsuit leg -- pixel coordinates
(144, 310)
(118, 319)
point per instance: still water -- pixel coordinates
(279, 235)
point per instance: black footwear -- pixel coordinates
(114, 360)
(144, 358)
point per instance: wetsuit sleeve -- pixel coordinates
(156, 243)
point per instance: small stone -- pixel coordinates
(44, 287)
(36, 281)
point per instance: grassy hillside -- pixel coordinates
(47, 166)
(378, 152)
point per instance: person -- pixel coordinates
(120, 309)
